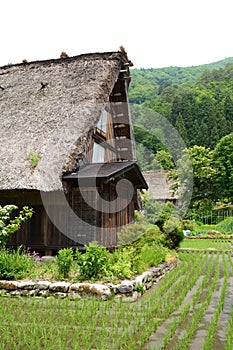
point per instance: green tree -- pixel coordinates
(164, 159)
(180, 127)
(203, 191)
(223, 165)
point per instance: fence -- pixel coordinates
(214, 216)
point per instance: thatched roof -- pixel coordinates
(46, 111)
(159, 185)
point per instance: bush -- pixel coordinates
(121, 263)
(131, 233)
(225, 226)
(188, 225)
(64, 261)
(173, 229)
(15, 264)
(153, 235)
(93, 263)
(153, 255)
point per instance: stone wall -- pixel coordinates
(128, 290)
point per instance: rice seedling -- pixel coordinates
(205, 244)
(93, 324)
(214, 320)
(229, 344)
(198, 313)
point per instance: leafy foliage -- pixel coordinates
(34, 159)
(64, 260)
(153, 255)
(225, 226)
(174, 232)
(212, 174)
(164, 159)
(121, 263)
(196, 100)
(94, 262)
(9, 225)
(223, 165)
(14, 264)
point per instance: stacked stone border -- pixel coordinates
(127, 290)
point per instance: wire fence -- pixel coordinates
(214, 217)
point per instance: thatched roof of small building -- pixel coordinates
(46, 111)
(159, 185)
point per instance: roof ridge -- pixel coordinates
(111, 55)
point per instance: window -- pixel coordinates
(98, 153)
(102, 123)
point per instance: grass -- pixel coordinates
(201, 244)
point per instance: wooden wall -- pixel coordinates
(41, 235)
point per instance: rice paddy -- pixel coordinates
(190, 308)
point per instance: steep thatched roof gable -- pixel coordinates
(159, 185)
(46, 111)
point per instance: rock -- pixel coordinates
(24, 292)
(100, 290)
(15, 293)
(149, 285)
(26, 285)
(59, 287)
(44, 293)
(47, 258)
(157, 271)
(60, 295)
(9, 285)
(28, 292)
(147, 276)
(42, 285)
(125, 288)
(32, 293)
(84, 289)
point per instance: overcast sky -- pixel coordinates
(155, 33)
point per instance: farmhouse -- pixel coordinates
(160, 186)
(67, 149)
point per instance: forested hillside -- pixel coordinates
(198, 101)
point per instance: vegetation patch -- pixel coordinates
(34, 159)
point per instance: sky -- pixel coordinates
(154, 33)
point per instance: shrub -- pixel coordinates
(15, 264)
(131, 233)
(64, 261)
(153, 255)
(121, 264)
(173, 230)
(94, 262)
(225, 226)
(188, 225)
(153, 235)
